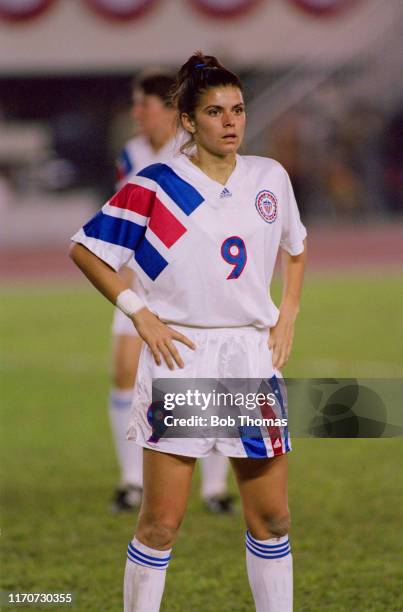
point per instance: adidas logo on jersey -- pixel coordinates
(225, 193)
(277, 443)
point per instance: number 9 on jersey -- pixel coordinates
(233, 251)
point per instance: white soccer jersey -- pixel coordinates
(204, 253)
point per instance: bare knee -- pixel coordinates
(279, 525)
(157, 533)
(273, 525)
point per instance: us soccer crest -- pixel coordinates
(266, 205)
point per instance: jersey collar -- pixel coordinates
(204, 183)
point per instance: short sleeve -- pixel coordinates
(117, 230)
(293, 232)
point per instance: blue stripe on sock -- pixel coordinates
(278, 551)
(268, 547)
(136, 559)
(263, 551)
(268, 556)
(138, 552)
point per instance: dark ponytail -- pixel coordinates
(197, 75)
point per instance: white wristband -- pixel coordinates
(129, 302)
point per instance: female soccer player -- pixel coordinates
(204, 232)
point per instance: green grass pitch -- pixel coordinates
(58, 468)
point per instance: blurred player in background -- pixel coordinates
(156, 142)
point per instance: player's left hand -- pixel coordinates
(280, 340)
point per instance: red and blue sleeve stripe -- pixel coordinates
(138, 213)
(149, 259)
(182, 193)
(114, 230)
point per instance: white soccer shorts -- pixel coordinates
(240, 354)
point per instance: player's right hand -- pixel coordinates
(159, 338)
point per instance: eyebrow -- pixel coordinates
(222, 108)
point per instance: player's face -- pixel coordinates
(150, 113)
(219, 122)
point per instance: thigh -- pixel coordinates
(167, 480)
(263, 488)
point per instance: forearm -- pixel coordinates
(293, 267)
(102, 276)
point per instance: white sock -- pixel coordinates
(144, 577)
(214, 469)
(130, 455)
(269, 564)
